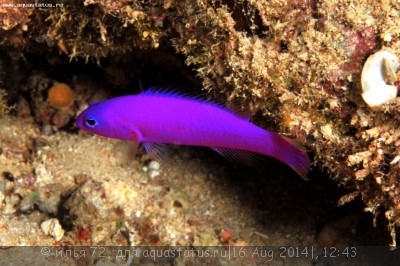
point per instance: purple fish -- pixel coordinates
(155, 118)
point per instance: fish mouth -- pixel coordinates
(79, 121)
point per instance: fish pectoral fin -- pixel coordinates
(158, 152)
(136, 136)
(241, 156)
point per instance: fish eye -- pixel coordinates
(91, 122)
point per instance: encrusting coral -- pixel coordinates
(298, 63)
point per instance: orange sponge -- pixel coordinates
(60, 95)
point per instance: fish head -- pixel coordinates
(97, 119)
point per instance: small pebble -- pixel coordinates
(2, 197)
(154, 173)
(80, 178)
(52, 228)
(23, 109)
(153, 168)
(60, 119)
(154, 165)
(338, 233)
(225, 235)
(47, 130)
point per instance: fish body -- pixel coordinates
(167, 118)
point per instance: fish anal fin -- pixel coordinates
(292, 154)
(158, 152)
(240, 156)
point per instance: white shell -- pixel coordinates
(377, 71)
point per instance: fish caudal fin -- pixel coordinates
(291, 154)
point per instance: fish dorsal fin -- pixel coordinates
(174, 93)
(246, 112)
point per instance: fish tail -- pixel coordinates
(291, 154)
